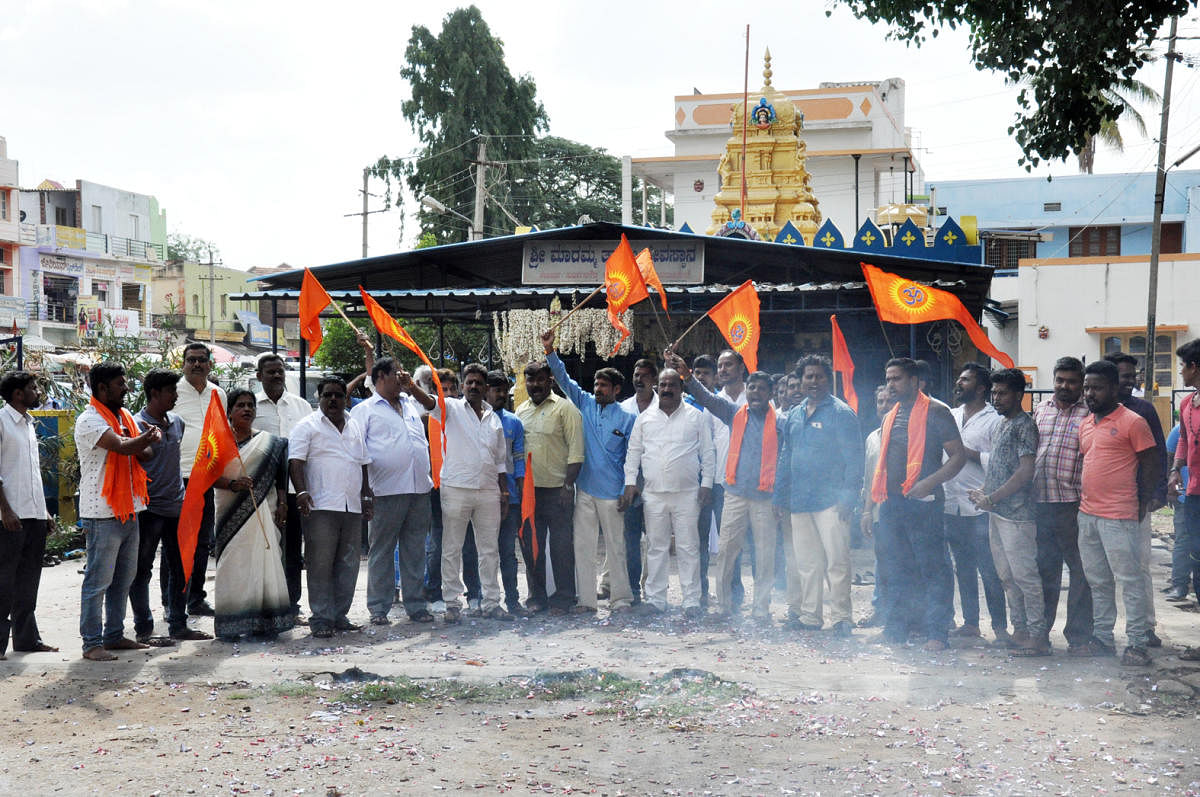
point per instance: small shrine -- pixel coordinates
(777, 182)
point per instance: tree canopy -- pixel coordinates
(1063, 54)
(189, 249)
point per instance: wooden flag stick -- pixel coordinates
(560, 321)
(674, 345)
(658, 319)
(262, 527)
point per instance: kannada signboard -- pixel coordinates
(582, 262)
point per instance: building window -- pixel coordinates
(1134, 343)
(60, 217)
(1051, 207)
(1003, 253)
(1171, 240)
(97, 219)
(3, 205)
(224, 305)
(134, 228)
(1095, 241)
(196, 303)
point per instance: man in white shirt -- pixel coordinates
(195, 391)
(23, 515)
(966, 524)
(474, 488)
(645, 379)
(106, 439)
(327, 461)
(278, 413)
(399, 473)
(672, 444)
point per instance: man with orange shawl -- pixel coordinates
(112, 490)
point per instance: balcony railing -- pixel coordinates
(75, 238)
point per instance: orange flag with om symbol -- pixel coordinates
(737, 317)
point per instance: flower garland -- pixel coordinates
(518, 333)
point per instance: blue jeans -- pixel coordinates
(635, 527)
(911, 547)
(1185, 555)
(508, 556)
(967, 537)
(112, 556)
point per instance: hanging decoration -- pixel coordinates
(518, 334)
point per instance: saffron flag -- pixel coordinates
(737, 317)
(902, 301)
(624, 285)
(313, 299)
(528, 507)
(646, 265)
(217, 449)
(390, 327)
(843, 365)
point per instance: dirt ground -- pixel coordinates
(568, 705)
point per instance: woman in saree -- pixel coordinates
(251, 590)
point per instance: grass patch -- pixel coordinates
(292, 689)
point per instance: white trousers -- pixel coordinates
(738, 516)
(822, 550)
(670, 513)
(480, 508)
(592, 516)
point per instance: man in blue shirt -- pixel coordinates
(514, 437)
(818, 482)
(606, 430)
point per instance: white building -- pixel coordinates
(858, 148)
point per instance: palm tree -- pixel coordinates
(1120, 93)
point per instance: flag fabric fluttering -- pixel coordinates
(217, 449)
(624, 286)
(390, 327)
(528, 508)
(313, 299)
(902, 301)
(737, 317)
(645, 263)
(843, 365)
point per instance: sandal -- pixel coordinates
(156, 641)
(1191, 654)
(421, 616)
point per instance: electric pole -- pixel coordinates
(1160, 189)
(480, 172)
(212, 296)
(364, 212)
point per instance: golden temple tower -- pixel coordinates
(777, 183)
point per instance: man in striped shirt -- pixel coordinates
(1057, 476)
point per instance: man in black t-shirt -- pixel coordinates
(911, 545)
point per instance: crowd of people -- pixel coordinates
(773, 467)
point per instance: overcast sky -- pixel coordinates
(252, 121)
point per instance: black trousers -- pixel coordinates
(21, 555)
(153, 528)
(556, 539)
(1058, 543)
(293, 552)
(204, 546)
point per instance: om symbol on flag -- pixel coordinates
(913, 295)
(737, 333)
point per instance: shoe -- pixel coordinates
(98, 653)
(124, 643)
(421, 616)
(498, 613)
(1135, 657)
(345, 625)
(321, 632)
(873, 621)
(535, 606)
(842, 628)
(966, 632)
(934, 646)
(190, 635)
(380, 619)
(1003, 639)
(201, 609)
(693, 613)
(1092, 649)
(1033, 646)
(1176, 594)
(453, 614)
(517, 610)
(1153, 641)
(151, 641)
(1190, 654)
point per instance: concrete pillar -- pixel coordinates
(626, 190)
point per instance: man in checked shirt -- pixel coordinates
(1056, 483)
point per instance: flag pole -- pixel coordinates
(262, 526)
(562, 320)
(658, 319)
(672, 347)
(745, 118)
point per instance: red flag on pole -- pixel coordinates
(902, 301)
(313, 299)
(843, 365)
(646, 265)
(390, 327)
(528, 507)
(737, 317)
(624, 284)
(217, 449)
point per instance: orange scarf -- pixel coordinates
(770, 449)
(917, 421)
(124, 478)
(436, 446)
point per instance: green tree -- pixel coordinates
(188, 249)
(1123, 93)
(462, 92)
(339, 350)
(1066, 56)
